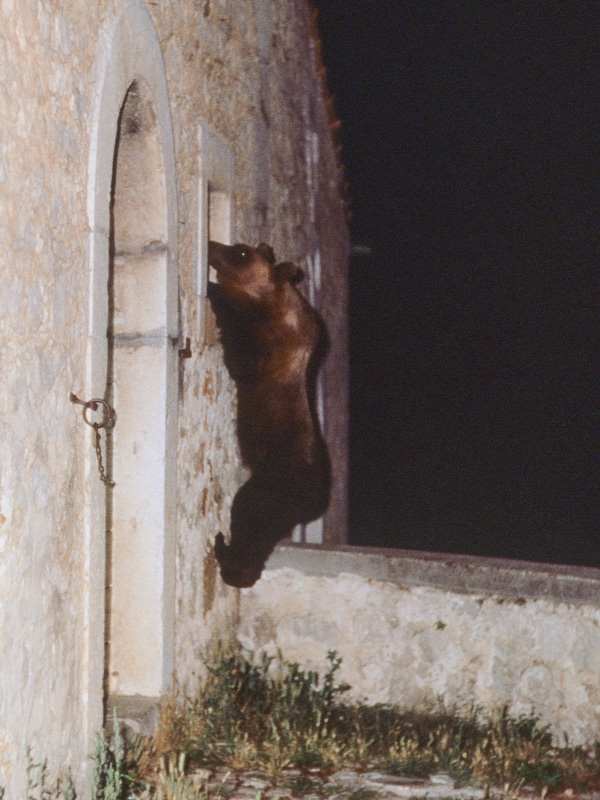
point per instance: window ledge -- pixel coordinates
(512, 580)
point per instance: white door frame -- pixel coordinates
(128, 50)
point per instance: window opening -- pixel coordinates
(219, 229)
(215, 203)
(312, 532)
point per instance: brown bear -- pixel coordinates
(274, 343)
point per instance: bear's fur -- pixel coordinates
(274, 343)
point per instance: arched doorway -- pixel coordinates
(131, 528)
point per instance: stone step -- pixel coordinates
(350, 784)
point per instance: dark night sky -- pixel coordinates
(471, 144)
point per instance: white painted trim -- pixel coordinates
(216, 173)
(128, 50)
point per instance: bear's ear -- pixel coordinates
(266, 251)
(286, 271)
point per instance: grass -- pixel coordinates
(267, 714)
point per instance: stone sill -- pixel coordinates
(137, 713)
(506, 579)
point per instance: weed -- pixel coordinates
(116, 774)
(543, 774)
(268, 713)
(38, 787)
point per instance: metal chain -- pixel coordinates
(108, 416)
(98, 450)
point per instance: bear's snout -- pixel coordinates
(217, 255)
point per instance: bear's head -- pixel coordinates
(251, 270)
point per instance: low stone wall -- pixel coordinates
(416, 629)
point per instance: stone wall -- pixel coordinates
(247, 70)
(415, 629)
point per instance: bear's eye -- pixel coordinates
(242, 254)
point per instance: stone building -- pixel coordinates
(131, 131)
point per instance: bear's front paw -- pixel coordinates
(220, 547)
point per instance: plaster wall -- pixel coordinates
(249, 71)
(415, 629)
